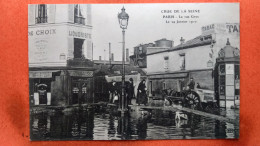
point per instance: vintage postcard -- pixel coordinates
(134, 71)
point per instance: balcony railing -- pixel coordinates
(41, 20)
(79, 20)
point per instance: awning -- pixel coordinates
(42, 74)
(168, 76)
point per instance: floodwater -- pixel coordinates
(104, 124)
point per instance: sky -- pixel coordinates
(146, 24)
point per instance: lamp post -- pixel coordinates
(123, 22)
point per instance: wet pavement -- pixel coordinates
(107, 124)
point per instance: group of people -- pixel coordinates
(115, 92)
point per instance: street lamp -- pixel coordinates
(123, 22)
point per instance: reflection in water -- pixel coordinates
(157, 124)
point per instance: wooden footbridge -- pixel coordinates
(175, 108)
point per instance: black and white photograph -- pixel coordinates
(134, 71)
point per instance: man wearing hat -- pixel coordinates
(112, 91)
(130, 90)
(191, 84)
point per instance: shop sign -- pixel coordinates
(40, 74)
(79, 34)
(41, 32)
(78, 73)
(221, 28)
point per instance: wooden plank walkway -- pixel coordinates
(175, 108)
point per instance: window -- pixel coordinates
(182, 61)
(164, 85)
(78, 48)
(62, 56)
(78, 17)
(166, 62)
(140, 50)
(151, 89)
(41, 14)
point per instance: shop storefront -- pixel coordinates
(61, 87)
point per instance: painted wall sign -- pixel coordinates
(221, 28)
(42, 32)
(78, 73)
(79, 34)
(41, 50)
(40, 74)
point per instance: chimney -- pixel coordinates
(127, 55)
(100, 58)
(112, 57)
(182, 40)
(109, 54)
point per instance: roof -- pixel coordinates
(156, 49)
(228, 51)
(105, 69)
(201, 40)
(163, 39)
(198, 41)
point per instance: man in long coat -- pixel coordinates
(130, 91)
(112, 91)
(141, 93)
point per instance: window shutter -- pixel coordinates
(36, 11)
(31, 14)
(70, 48)
(51, 13)
(71, 13)
(45, 12)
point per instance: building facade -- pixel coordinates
(139, 58)
(60, 54)
(194, 58)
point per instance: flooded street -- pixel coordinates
(108, 125)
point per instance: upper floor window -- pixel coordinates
(42, 14)
(62, 56)
(166, 62)
(182, 61)
(140, 49)
(78, 48)
(78, 17)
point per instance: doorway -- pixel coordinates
(42, 87)
(80, 91)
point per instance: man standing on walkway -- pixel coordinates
(191, 84)
(130, 91)
(141, 93)
(112, 91)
